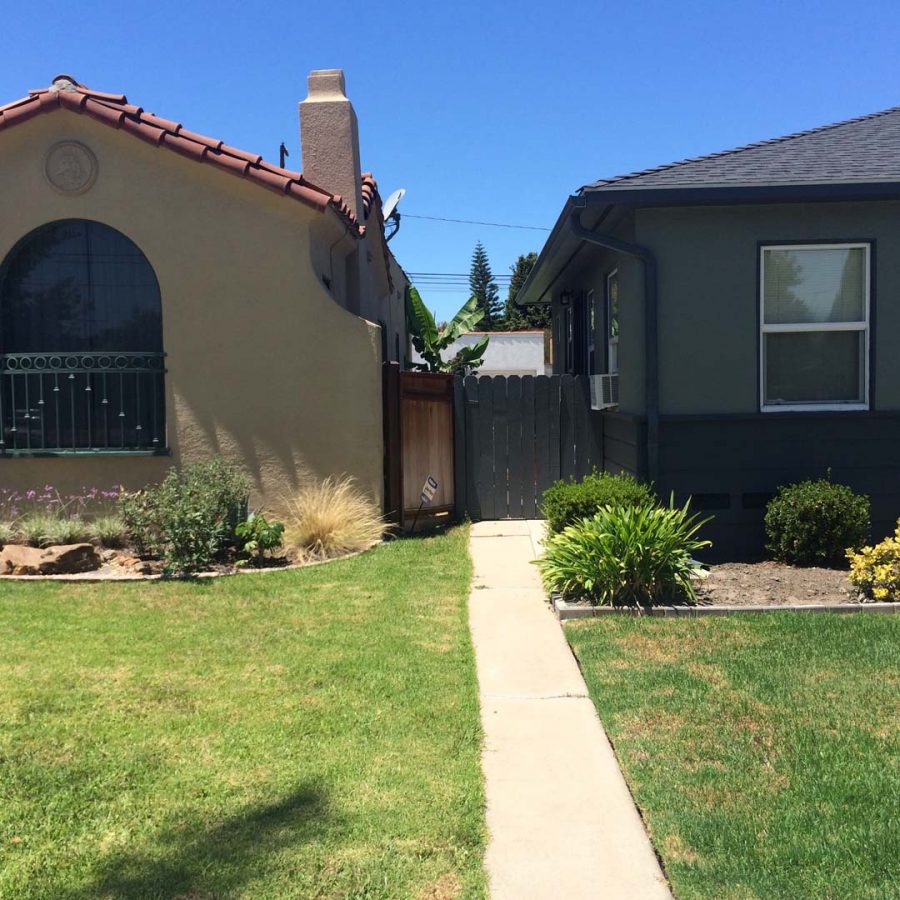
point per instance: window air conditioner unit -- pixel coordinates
(604, 391)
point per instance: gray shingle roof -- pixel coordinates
(865, 149)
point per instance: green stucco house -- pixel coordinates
(739, 316)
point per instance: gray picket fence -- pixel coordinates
(514, 436)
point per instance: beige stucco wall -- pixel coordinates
(264, 366)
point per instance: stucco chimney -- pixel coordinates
(329, 138)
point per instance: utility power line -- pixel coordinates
(407, 215)
(435, 278)
(450, 274)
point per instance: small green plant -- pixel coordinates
(7, 532)
(814, 523)
(189, 519)
(109, 531)
(625, 555)
(258, 536)
(567, 501)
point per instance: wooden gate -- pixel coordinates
(515, 436)
(418, 429)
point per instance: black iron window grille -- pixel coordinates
(70, 402)
(82, 366)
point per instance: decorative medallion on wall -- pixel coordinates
(70, 167)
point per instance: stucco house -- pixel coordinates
(738, 315)
(165, 297)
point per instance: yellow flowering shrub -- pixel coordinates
(875, 571)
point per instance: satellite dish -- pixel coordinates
(391, 203)
(390, 212)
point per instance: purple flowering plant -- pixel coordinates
(88, 503)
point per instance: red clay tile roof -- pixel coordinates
(115, 110)
(369, 192)
(371, 199)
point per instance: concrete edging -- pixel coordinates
(565, 611)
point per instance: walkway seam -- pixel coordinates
(526, 697)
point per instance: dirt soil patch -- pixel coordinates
(774, 584)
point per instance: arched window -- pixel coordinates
(81, 352)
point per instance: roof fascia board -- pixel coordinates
(539, 278)
(562, 245)
(732, 194)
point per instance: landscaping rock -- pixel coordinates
(64, 559)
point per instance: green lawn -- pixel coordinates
(763, 751)
(309, 733)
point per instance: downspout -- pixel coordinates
(651, 332)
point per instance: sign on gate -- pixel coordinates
(428, 490)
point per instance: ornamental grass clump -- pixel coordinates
(815, 523)
(875, 571)
(65, 531)
(109, 531)
(568, 501)
(331, 518)
(625, 556)
(45, 517)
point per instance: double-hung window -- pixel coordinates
(814, 315)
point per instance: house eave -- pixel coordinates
(561, 246)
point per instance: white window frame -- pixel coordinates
(863, 325)
(611, 341)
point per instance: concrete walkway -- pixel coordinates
(560, 819)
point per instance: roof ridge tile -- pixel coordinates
(115, 110)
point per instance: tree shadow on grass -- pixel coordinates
(196, 861)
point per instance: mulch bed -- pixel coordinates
(773, 584)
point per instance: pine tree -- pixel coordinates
(517, 318)
(483, 287)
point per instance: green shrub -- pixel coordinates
(258, 536)
(189, 519)
(7, 532)
(814, 523)
(875, 571)
(565, 502)
(626, 554)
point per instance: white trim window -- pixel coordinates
(814, 321)
(612, 322)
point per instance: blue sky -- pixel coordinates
(485, 111)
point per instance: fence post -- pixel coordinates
(459, 448)
(393, 461)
